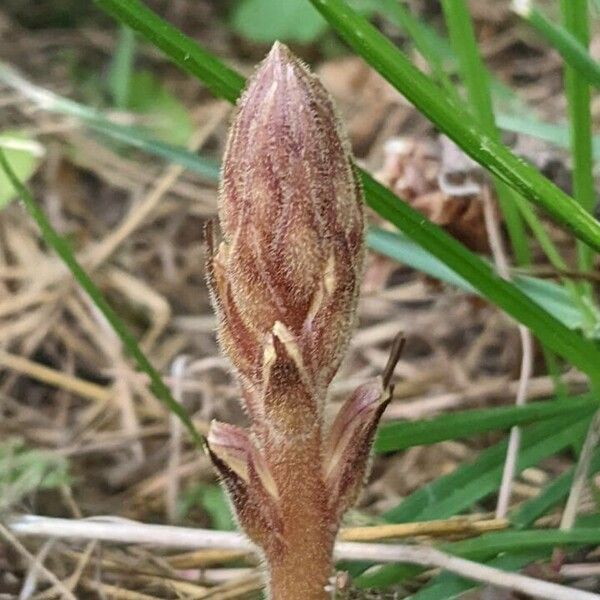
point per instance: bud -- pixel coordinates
(291, 212)
(233, 447)
(348, 445)
(251, 488)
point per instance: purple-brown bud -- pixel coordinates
(291, 213)
(348, 446)
(248, 480)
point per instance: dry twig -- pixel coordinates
(123, 531)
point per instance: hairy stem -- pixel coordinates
(300, 569)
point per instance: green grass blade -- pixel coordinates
(121, 68)
(516, 552)
(433, 48)
(402, 434)
(447, 586)
(61, 247)
(438, 53)
(221, 80)
(100, 122)
(202, 166)
(552, 133)
(392, 64)
(541, 130)
(575, 15)
(568, 45)
(552, 495)
(490, 544)
(472, 71)
(450, 587)
(480, 275)
(536, 542)
(476, 79)
(451, 494)
(488, 547)
(458, 491)
(552, 297)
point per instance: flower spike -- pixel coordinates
(284, 282)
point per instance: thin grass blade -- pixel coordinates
(392, 64)
(62, 248)
(568, 45)
(400, 435)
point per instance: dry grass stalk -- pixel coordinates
(463, 526)
(123, 531)
(7, 536)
